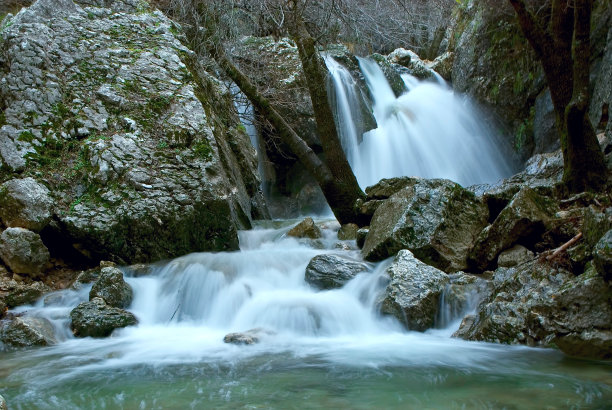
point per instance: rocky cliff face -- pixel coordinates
(141, 150)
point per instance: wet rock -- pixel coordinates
(410, 60)
(443, 65)
(514, 256)
(3, 405)
(463, 293)
(16, 293)
(362, 233)
(537, 304)
(305, 229)
(249, 337)
(414, 291)
(25, 331)
(23, 251)
(590, 344)
(96, 319)
(602, 256)
(387, 187)
(524, 218)
(331, 271)
(112, 288)
(25, 204)
(348, 232)
(436, 219)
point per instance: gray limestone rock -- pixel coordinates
(414, 291)
(112, 288)
(25, 204)
(436, 219)
(96, 319)
(23, 251)
(332, 271)
(348, 232)
(514, 256)
(26, 331)
(15, 293)
(3, 405)
(602, 256)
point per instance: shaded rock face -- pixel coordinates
(111, 287)
(538, 304)
(348, 232)
(305, 229)
(526, 217)
(331, 271)
(23, 251)
(27, 331)
(514, 256)
(602, 256)
(25, 204)
(436, 219)
(141, 150)
(97, 319)
(414, 291)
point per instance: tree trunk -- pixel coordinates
(563, 50)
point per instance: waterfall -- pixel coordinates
(429, 131)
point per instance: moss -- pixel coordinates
(202, 149)
(26, 136)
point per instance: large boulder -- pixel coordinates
(23, 251)
(414, 291)
(112, 288)
(332, 271)
(141, 149)
(96, 319)
(25, 204)
(436, 219)
(602, 256)
(15, 293)
(525, 218)
(25, 331)
(538, 304)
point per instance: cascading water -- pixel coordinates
(321, 349)
(429, 131)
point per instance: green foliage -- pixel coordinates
(524, 131)
(26, 136)
(202, 149)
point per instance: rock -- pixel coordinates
(96, 319)
(537, 304)
(386, 187)
(3, 405)
(362, 233)
(331, 271)
(85, 277)
(545, 134)
(590, 344)
(410, 60)
(112, 288)
(25, 204)
(462, 294)
(25, 331)
(3, 308)
(414, 291)
(249, 337)
(305, 229)
(436, 219)
(348, 232)
(23, 251)
(15, 293)
(514, 256)
(443, 65)
(139, 146)
(602, 256)
(525, 218)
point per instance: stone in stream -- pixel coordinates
(26, 331)
(414, 291)
(15, 293)
(305, 229)
(3, 405)
(436, 219)
(23, 251)
(96, 319)
(111, 287)
(248, 337)
(332, 271)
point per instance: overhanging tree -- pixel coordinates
(561, 41)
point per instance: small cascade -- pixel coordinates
(429, 131)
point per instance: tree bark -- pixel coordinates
(563, 50)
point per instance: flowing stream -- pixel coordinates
(320, 349)
(429, 131)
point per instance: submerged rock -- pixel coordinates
(25, 204)
(436, 219)
(331, 271)
(249, 337)
(305, 229)
(96, 319)
(112, 288)
(23, 251)
(26, 331)
(414, 291)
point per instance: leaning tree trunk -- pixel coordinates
(563, 49)
(340, 194)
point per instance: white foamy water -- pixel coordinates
(429, 131)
